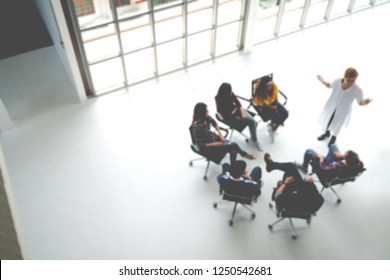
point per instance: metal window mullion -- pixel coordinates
(84, 60)
(154, 43)
(351, 5)
(214, 28)
(304, 13)
(185, 33)
(278, 23)
(242, 24)
(328, 9)
(117, 30)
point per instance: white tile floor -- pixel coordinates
(110, 179)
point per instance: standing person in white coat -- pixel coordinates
(337, 110)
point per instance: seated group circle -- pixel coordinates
(265, 101)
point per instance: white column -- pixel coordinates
(250, 25)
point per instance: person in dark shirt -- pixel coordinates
(209, 141)
(293, 192)
(231, 110)
(236, 176)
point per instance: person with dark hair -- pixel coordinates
(231, 110)
(265, 101)
(292, 191)
(236, 174)
(334, 164)
(337, 110)
(208, 140)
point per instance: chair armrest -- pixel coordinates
(225, 130)
(245, 99)
(195, 148)
(284, 97)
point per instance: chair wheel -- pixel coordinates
(338, 200)
(308, 221)
(230, 222)
(270, 227)
(294, 237)
(215, 205)
(190, 163)
(205, 177)
(253, 215)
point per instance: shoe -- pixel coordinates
(249, 156)
(323, 136)
(258, 146)
(300, 167)
(332, 141)
(268, 162)
(271, 134)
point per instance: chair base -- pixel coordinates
(338, 201)
(207, 167)
(230, 222)
(289, 216)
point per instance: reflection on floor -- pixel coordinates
(110, 179)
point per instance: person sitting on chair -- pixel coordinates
(231, 110)
(334, 164)
(293, 191)
(265, 101)
(237, 174)
(209, 141)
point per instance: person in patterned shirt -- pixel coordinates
(334, 164)
(209, 141)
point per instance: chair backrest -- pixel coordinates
(347, 175)
(254, 82)
(238, 191)
(191, 128)
(271, 76)
(305, 199)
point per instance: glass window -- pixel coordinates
(360, 4)
(170, 56)
(227, 38)
(168, 24)
(107, 75)
(339, 8)
(136, 33)
(199, 47)
(163, 3)
(100, 43)
(316, 12)
(84, 7)
(127, 8)
(228, 11)
(292, 16)
(200, 15)
(102, 13)
(265, 21)
(139, 65)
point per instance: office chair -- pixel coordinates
(297, 205)
(209, 156)
(238, 193)
(258, 112)
(328, 183)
